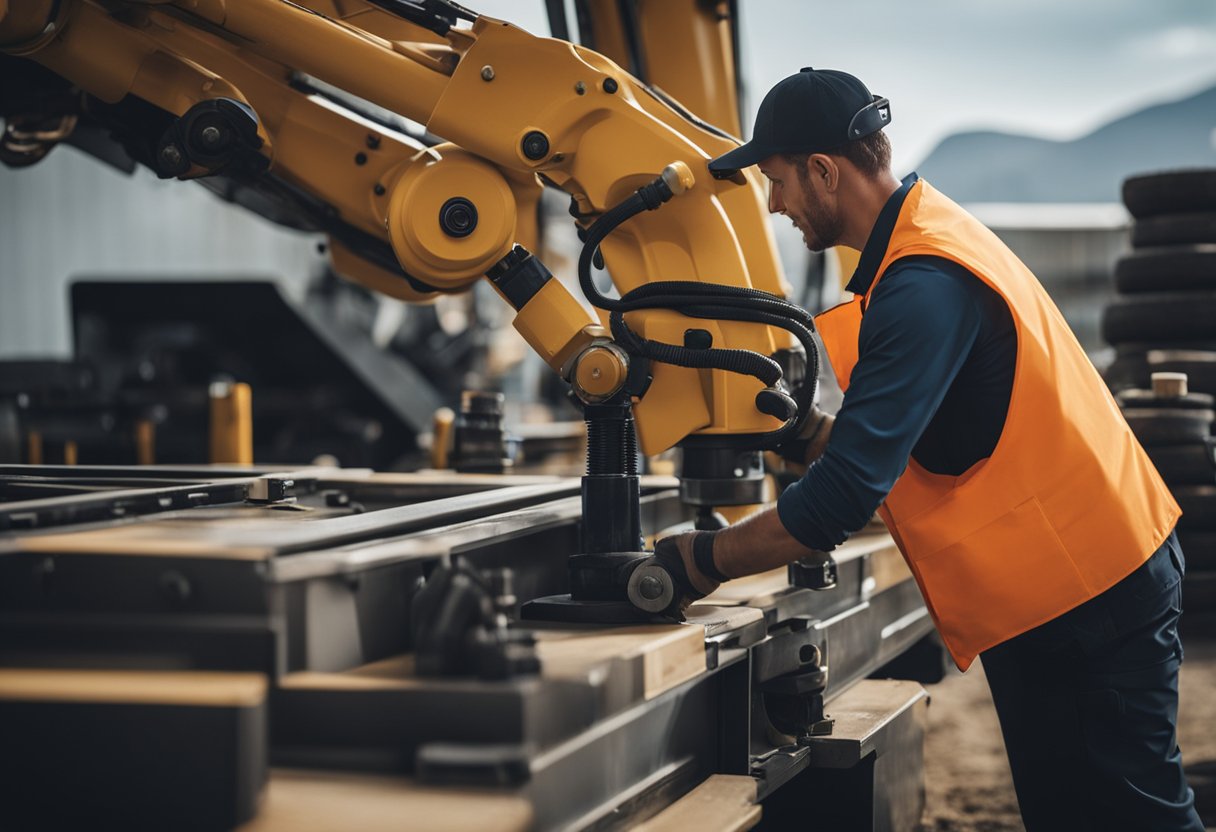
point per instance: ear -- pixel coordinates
(824, 168)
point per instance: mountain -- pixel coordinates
(990, 166)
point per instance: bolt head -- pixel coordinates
(210, 135)
(536, 145)
(171, 155)
(175, 587)
(487, 73)
(650, 587)
(458, 217)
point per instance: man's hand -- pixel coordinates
(810, 442)
(675, 555)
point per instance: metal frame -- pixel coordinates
(332, 593)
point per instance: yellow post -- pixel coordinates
(34, 448)
(70, 452)
(441, 437)
(145, 442)
(231, 423)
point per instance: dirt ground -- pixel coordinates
(968, 784)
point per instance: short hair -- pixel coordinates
(871, 155)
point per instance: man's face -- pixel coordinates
(797, 194)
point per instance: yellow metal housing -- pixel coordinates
(420, 242)
(600, 372)
(351, 266)
(486, 90)
(556, 325)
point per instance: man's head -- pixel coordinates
(818, 136)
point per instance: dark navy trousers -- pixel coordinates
(1088, 704)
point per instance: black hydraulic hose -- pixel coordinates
(701, 300)
(745, 362)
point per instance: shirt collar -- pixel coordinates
(880, 238)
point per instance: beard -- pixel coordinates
(822, 227)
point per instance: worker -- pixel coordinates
(1039, 532)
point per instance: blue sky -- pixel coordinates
(1054, 68)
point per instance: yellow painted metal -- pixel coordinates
(27, 24)
(604, 145)
(338, 53)
(231, 423)
(71, 452)
(556, 325)
(686, 49)
(606, 134)
(350, 265)
(440, 174)
(384, 24)
(606, 33)
(95, 52)
(600, 372)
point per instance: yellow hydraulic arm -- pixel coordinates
(237, 87)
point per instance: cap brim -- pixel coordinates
(743, 156)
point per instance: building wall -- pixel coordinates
(1072, 249)
(71, 216)
(1076, 266)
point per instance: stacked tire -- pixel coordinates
(1164, 321)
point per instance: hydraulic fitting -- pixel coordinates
(599, 372)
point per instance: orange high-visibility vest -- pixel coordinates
(1068, 503)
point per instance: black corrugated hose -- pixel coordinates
(702, 300)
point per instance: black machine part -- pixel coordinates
(459, 625)
(721, 475)
(480, 440)
(612, 579)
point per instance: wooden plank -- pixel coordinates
(668, 654)
(862, 715)
(724, 803)
(200, 688)
(660, 656)
(316, 801)
(393, 673)
(159, 538)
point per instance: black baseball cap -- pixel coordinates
(815, 111)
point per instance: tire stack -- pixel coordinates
(1164, 321)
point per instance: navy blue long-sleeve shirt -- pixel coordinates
(936, 355)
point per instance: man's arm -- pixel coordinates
(916, 334)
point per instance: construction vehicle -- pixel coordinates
(369, 617)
